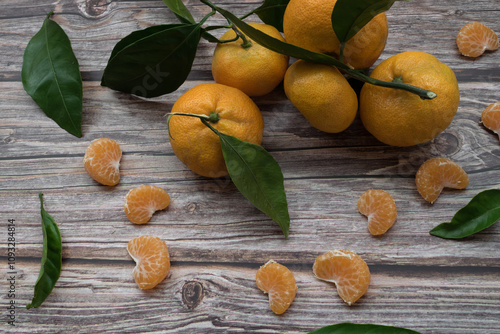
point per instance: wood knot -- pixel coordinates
(191, 207)
(447, 143)
(94, 8)
(192, 294)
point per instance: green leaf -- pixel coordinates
(180, 10)
(276, 45)
(481, 212)
(258, 177)
(209, 37)
(51, 259)
(349, 16)
(350, 328)
(153, 61)
(138, 35)
(271, 12)
(51, 76)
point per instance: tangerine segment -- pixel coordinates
(143, 201)
(438, 173)
(278, 281)
(490, 117)
(102, 161)
(380, 209)
(347, 270)
(474, 38)
(152, 260)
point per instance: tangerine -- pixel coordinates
(197, 146)
(142, 202)
(102, 161)
(322, 94)
(152, 260)
(278, 281)
(254, 70)
(438, 173)
(347, 270)
(308, 24)
(400, 118)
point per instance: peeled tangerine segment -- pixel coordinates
(102, 161)
(152, 260)
(491, 117)
(438, 173)
(475, 38)
(347, 270)
(278, 281)
(142, 202)
(380, 209)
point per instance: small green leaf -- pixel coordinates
(51, 76)
(209, 37)
(180, 10)
(349, 16)
(258, 177)
(51, 259)
(481, 212)
(271, 12)
(276, 45)
(350, 328)
(153, 61)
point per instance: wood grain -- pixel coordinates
(216, 239)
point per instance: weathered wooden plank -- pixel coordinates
(108, 113)
(412, 27)
(102, 297)
(94, 225)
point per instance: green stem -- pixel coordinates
(423, 93)
(203, 20)
(209, 28)
(246, 42)
(247, 14)
(206, 119)
(210, 126)
(228, 40)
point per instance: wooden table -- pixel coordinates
(217, 240)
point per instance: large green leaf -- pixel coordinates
(51, 76)
(349, 16)
(481, 212)
(350, 328)
(180, 10)
(258, 177)
(271, 12)
(51, 263)
(154, 61)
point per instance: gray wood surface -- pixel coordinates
(217, 240)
